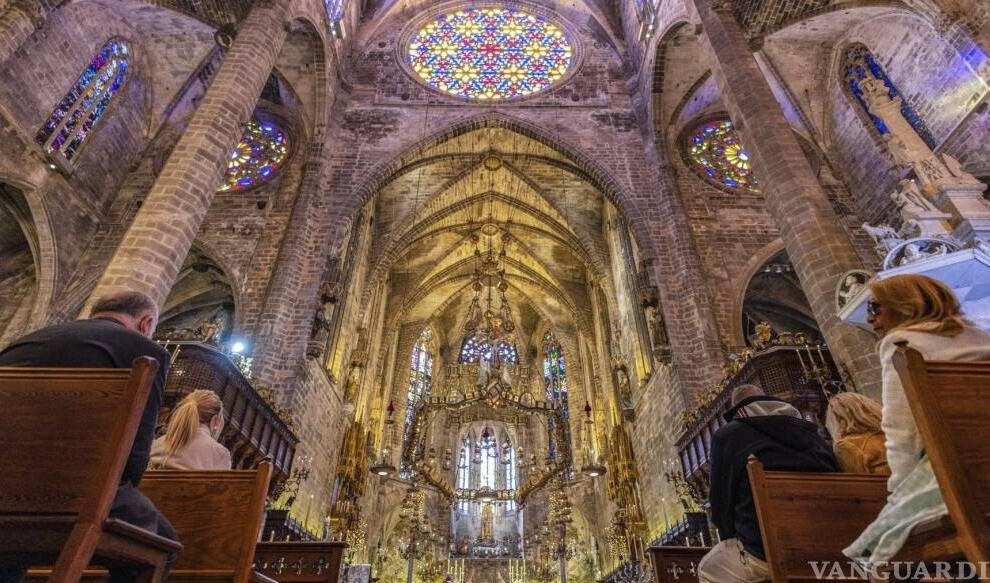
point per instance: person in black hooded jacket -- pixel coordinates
(775, 433)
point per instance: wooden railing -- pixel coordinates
(693, 530)
(253, 431)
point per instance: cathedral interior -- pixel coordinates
(489, 266)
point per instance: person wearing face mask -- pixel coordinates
(924, 313)
(190, 442)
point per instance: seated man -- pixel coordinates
(775, 433)
(118, 331)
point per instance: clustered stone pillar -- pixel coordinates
(286, 320)
(157, 242)
(816, 243)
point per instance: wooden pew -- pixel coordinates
(807, 517)
(218, 517)
(66, 435)
(676, 564)
(949, 401)
(300, 562)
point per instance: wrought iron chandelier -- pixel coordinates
(489, 318)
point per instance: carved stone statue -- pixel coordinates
(487, 523)
(921, 217)
(209, 331)
(905, 146)
(909, 199)
(622, 387)
(658, 328)
(884, 237)
(850, 286)
(763, 335)
(919, 249)
(319, 334)
(353, 384)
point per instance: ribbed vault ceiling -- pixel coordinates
(429, 222)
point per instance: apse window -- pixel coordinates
(86, 103)
(490, 54)
(715, 151)
(257, 158)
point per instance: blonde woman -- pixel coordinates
(190, 442)
(853, 420)
(924, 313)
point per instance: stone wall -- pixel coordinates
(931, 76)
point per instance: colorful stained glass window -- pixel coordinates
(256, 159)
(420, 379)
(717, 153)
(464, 472)
(490, 53)
(335, 10)
(474, 351)
(857, 64)
(555, 379)
(85, 104)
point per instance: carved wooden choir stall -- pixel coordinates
(808, 518)
(67, 434)
(254, 430)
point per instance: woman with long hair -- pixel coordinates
(853, 420)
(924, 313)
(190, 442)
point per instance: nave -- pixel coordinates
(493, 291)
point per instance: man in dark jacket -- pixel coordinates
(118, 331)
(775, 433)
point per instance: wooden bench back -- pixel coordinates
(300, 562)
(676, 564)
(66, 434)
(217, 515)
(950, 402)
(808, 517)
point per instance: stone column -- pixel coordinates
(291, 300)
(816, 243)
(151, 253)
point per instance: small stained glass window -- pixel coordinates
(335, 10)
(490, 53)
(474, 351)
(258, 156)
(85, 104)
(716, 152)
(555, 378)
(858, 63)
(420, 382)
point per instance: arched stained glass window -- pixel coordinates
(716, 153)
(509, 460)
(490, 53)
(256, 159)
(858, 63)
(420, 379)
(489, 457)
(474, 351)
(464, 471)
(335, 10)
(555, 379)
(86, 103)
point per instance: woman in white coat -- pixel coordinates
(190, 442)
(924, 313)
